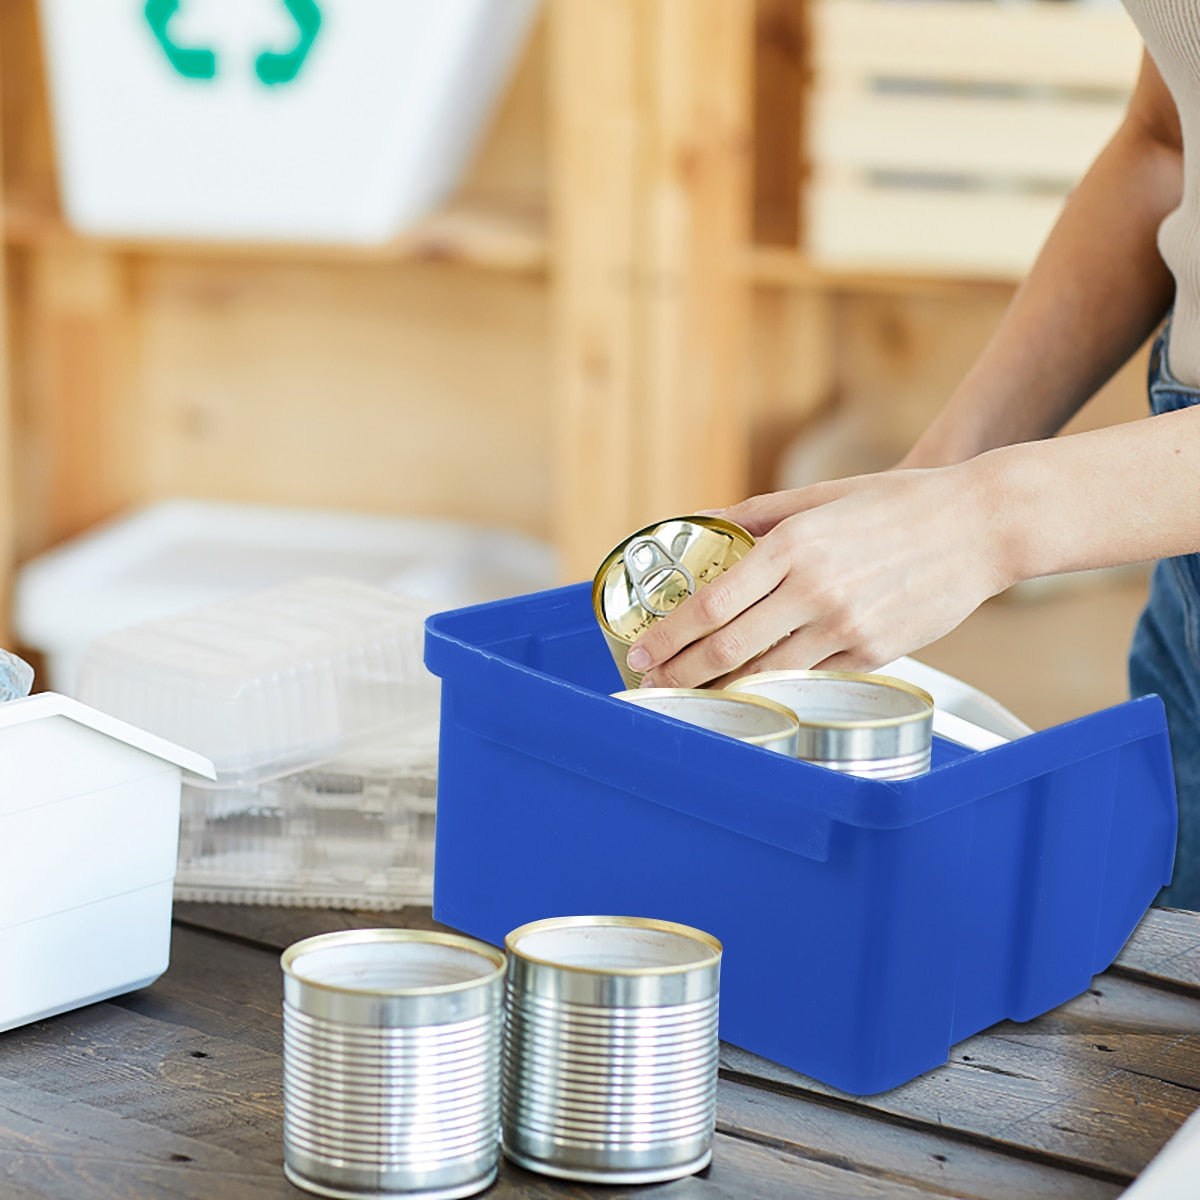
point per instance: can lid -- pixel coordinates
(759, 720)
(840, 699)
(614, 945)
(391, 962)
(655, 569)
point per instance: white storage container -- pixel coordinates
(180, 554)
(313, 703)
(297, 120)
(89, 817)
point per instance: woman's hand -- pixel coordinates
(845, 575)
(857, 572)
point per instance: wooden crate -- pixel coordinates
(944, 135)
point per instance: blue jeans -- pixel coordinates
(1165, 658)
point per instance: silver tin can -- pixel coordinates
(871, 725)
(749, 718)
(653, 571)
(610, 1049)
(391, 1053)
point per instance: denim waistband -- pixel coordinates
(1166, 393)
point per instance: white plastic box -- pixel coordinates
(89, 816)
(295, 120)
(313, 704)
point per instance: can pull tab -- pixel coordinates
(648, 565)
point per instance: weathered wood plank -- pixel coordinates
(1102, 1082)
(161, 1074)
(1120, 1024)
(1165, 946)
(35, 1122)
(1108, 1127)
(219, 987)
(67, 1177)
(888, 1151)
(740, 1171)
(743, 1170)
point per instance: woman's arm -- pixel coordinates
(885, 564)
(853, 573)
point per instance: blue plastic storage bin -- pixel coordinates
(868, 925)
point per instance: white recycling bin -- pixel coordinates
(89, 828)
(293, 120)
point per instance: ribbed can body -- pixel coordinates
(610, 1049)
(869, 725)
(391, 1044)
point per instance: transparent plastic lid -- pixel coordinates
(275, 681)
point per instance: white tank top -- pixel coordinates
(1171, 31)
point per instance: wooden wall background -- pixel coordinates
(612, 322)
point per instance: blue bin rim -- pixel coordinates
(460, 641)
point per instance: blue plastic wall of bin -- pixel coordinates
(867, 925)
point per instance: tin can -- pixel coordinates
(749, 718)
(391, 1064)
(654, 570)
(610, 1049)
(870, 725)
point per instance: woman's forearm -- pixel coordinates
(1127, 493)
(853, 573)
(1098, 289)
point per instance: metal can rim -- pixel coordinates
(741, 686)
(338, 937)
(512, 939)
(631, 696)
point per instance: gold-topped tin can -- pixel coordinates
(654, 570)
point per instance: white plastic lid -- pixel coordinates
(272, 682)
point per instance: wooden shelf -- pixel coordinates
(468, 232)
(477, 234)
(782, 267)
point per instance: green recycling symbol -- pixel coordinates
(198, 62)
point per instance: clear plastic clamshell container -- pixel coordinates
(312, 703)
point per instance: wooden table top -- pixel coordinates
(175, 1090)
